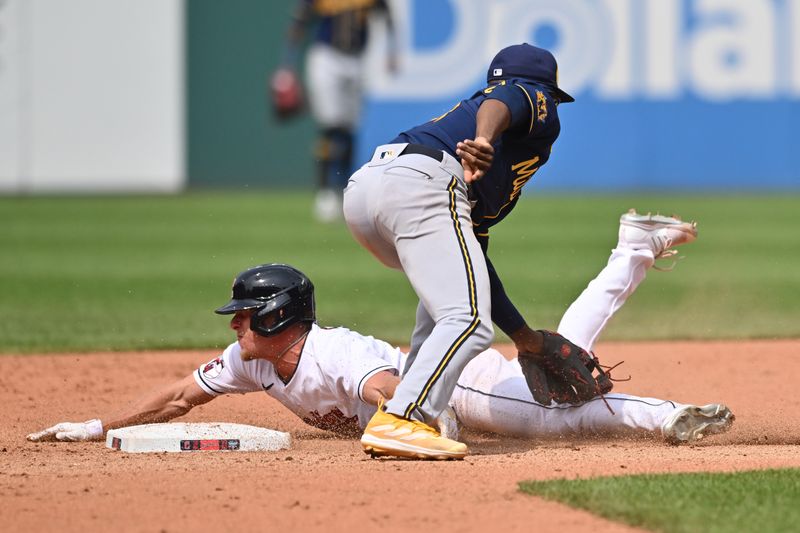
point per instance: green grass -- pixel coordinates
(96, 273)
(755, 501)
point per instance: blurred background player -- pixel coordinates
(334, 378)
(334, 62)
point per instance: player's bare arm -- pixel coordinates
(161, 405)
(379, 387)
(527, 340)
(477, 154)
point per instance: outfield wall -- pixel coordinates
(114, 95)
(91, 95)
(671, 94)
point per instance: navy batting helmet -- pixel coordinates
(280, 296)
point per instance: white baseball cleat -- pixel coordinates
(657, 233)
(691, 423)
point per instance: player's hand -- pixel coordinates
(70, 431)
(476, 157)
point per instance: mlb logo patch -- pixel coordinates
(497, 72)
(387, 153)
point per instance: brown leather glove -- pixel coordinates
(563, 372)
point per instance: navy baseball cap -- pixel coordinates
(528, 63)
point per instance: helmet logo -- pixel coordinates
(497, 72)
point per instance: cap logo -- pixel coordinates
(497, 72)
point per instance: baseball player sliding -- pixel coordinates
(334, 378)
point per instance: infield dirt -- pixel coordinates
(326, 483)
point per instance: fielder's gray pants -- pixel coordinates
(412, 213)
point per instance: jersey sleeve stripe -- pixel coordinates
(533, 109)
(198, 377)
(369, 375)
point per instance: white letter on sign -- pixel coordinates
(617, 80)
(445, 71)
(662, 27)
(735, 59)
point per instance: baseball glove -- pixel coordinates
(286, 93)
(564, 372)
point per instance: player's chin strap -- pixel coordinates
(291, 345)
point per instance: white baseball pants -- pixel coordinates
(334, 86)
(492, 394)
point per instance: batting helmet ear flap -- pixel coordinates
(273, 317)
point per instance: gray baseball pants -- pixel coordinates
(411, 211)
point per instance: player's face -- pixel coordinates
(253, 345)
(240, 323)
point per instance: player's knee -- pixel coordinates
(484, 335)
(479, 333)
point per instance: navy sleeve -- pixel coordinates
(504, 314)
(519, 102)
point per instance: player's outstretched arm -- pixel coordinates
(174, 400)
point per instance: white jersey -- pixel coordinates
(326, 388)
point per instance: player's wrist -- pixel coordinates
(94, 429)
(528, 340)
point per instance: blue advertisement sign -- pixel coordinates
(670, 94)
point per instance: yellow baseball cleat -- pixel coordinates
(390, 435)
